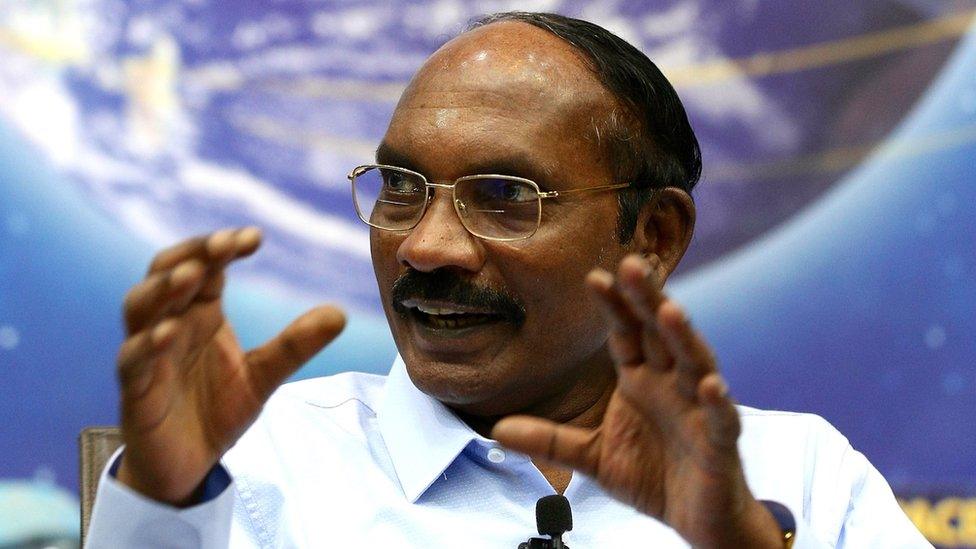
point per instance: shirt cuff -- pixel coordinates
(802, 537)
(122, 517)
(216, 481)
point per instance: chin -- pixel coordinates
(472, 387)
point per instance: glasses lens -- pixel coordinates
(500, 208)
(389, 198)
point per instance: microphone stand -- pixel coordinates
(542, 543)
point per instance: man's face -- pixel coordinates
(492, 328)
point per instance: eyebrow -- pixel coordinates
(519, 165)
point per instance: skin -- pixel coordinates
(457, 118)
(605, 375)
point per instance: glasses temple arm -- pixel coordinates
(554, 194)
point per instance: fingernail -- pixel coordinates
(723, 388)
(217, 243)
(633, 263)
(182, 274)
(248, 235)
(162, 333)
(600, 278)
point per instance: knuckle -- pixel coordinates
(159, 261)
(167, 257)
(136, 299)
(291, 348)
(132, 346)
(125, 363)
(124, 374)
(213, 287)
(132, 298)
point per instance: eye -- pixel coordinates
(399, 182)
(507, 191)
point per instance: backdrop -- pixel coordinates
(833, 267)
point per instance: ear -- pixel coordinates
(665, 225)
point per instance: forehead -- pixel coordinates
(505, 89)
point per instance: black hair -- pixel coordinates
(652, 145)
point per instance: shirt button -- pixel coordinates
(496, 455)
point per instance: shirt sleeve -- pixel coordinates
(122, 517)
(874, 518)
(865, 509)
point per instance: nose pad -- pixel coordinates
(432, 219)
(441, 240)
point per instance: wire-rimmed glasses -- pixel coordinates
(502, 208)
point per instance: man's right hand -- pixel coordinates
(188, 391)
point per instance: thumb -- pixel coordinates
(548, 441)
(272, 363)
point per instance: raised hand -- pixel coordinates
(188, 391)
(667, 443)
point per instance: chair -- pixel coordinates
(95, 445)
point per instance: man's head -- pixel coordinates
(492, 328)
(646, 132)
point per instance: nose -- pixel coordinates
(440, 240)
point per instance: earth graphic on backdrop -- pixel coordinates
(179, 117)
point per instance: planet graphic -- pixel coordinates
(177, 117)
(832, 267)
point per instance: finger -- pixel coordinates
(625, 335)
(545, 440)
(189, 249)
(692, 356)
(639, 287)
(244, 242)
(212, 288)
(277, 359)
(163, 292)
(722, 419)
(199, 277)
(137, 354)
(216, 248)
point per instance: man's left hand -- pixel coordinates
(667, 443)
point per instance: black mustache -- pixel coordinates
(445, 285)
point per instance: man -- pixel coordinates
(529, 200)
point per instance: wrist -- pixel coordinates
(784, 519)
(761, 528)
(754, 527)
(124, 474)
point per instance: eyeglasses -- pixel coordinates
(502, 208)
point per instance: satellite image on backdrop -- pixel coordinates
(223, 113)
(833, 253)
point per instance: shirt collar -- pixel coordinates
(422, 435)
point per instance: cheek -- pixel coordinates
(383, 249)
(553, 290)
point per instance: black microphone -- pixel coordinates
(553, 518)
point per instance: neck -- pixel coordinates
(587, 415)
(582, 404)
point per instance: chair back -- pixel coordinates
(95, 446)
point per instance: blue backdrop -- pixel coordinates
(833, 268)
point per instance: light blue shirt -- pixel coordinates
(360, 460)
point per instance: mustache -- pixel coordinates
(445, 285)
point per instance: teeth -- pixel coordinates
(449, 318)
(455, 322)
(438, 310)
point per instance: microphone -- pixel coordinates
(553, 518)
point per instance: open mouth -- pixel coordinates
(450, 318)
